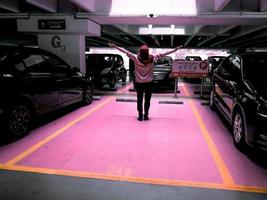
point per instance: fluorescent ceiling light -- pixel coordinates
(158, 7)
(161, 30)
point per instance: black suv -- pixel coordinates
(239, 90)
(106, 69)
(33, 82)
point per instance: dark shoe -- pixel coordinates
(146, 117)
(140, 118)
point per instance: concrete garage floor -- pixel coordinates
(102, 152)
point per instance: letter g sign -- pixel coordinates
(55, 42)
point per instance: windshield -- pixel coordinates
(166, 61)
(2, 57)
(255, 70)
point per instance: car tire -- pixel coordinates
(211, 102)
(18, 118)
(87, 95)
(112, 82)
(238, 130)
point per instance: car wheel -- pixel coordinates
(112, 82)
(87, 95)
(238, 130)
(19, 119)
(211, 103)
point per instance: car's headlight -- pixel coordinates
(262, 109)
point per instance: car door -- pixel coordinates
(232, 83)
(220, 83)
(120, 67)
(38, 79)
(68, 82)
(226, 80)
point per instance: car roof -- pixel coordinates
(249, 54)
(19, 48)
(104, 54)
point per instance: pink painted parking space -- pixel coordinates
(243, 170)
(112, 141)
(11, 150)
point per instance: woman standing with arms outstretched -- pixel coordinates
(144, 64)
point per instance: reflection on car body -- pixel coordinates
(214, 62)
(33, 82)
(239, 90)
(162, 71)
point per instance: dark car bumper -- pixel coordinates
(258, 132)
(163, 78)
(107, 77)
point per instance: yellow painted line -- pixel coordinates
(61, 130)
(55, 134)
(221, 166)
(152, 181)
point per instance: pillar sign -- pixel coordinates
(58, 24)
(52, 24)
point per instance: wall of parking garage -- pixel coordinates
(71, 48)
(63, 35)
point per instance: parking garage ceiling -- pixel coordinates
(158, 23)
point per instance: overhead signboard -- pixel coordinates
(51, 24)
(188, 68)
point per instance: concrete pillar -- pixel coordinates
(263, 5)
(71, 48)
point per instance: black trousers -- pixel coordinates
(143, 88)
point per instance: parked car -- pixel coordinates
(193, 58)
(239, 90)
(161, 72)
(214, 62)
(33, 82)
(106, 69)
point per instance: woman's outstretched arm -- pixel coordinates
(172, 51)
(128, 53)
(119, 48)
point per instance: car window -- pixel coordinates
(11, 63)
(255, 70)
(108, 61)
(225, 67)
(56, 66)
(33, 64)
(17, 66)
(28, 64)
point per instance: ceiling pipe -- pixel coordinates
(14, 15)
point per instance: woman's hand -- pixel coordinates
(111, 44)
(178, 47)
